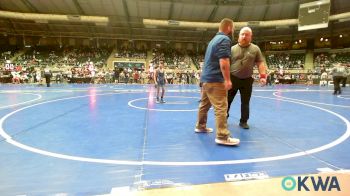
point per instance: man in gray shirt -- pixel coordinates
(338, 72)
(244, 56)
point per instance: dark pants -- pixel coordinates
(336, 82)
(244, 86)
(48, 79)
(344, 81)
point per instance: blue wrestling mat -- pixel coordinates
(89, 139)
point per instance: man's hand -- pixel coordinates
(262, 81)
(263, 73)
(228, 84)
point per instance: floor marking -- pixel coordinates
(305, 101)
(339, 140)
(21, 103)
(177, 102)
(344, 96)
(130, 103)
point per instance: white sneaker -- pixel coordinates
(206, 130)
(230, 141)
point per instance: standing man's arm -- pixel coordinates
(225, 70)
(155, 76)
(224, 54)
(262, 73)
(261, 67)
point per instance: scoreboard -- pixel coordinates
(314, 15)
(9, 67)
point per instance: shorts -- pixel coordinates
(160, 85)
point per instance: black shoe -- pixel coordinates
(244, 125)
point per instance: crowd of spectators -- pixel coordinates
(66, 63)
(175, 59)
(71, 64)
(131, 53)
(128, 75)
(285, 60)
(327, 60)
(197, 58)
(51, 56)
(39, 56)
(79, 56)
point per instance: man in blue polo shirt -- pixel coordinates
(216, 82)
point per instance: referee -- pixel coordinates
(244, 56)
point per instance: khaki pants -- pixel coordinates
(214, 94)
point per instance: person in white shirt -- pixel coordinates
(323, 79)
(15, 77)
(38, 76)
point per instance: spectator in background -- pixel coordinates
(108, 76)
(345, 75)
(143, 77)
(122, 77)
(58, 77)
(35, 80)
(127, 76)
(38, 76)
(24, 77)
(270, 78)
(323, 79)
(169, 78)
(15, 77)
(47, 74)
(116, 75)
(338, 73)
(188, 77)
(136, 76)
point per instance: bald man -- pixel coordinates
(216, 82)
(244, 56)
